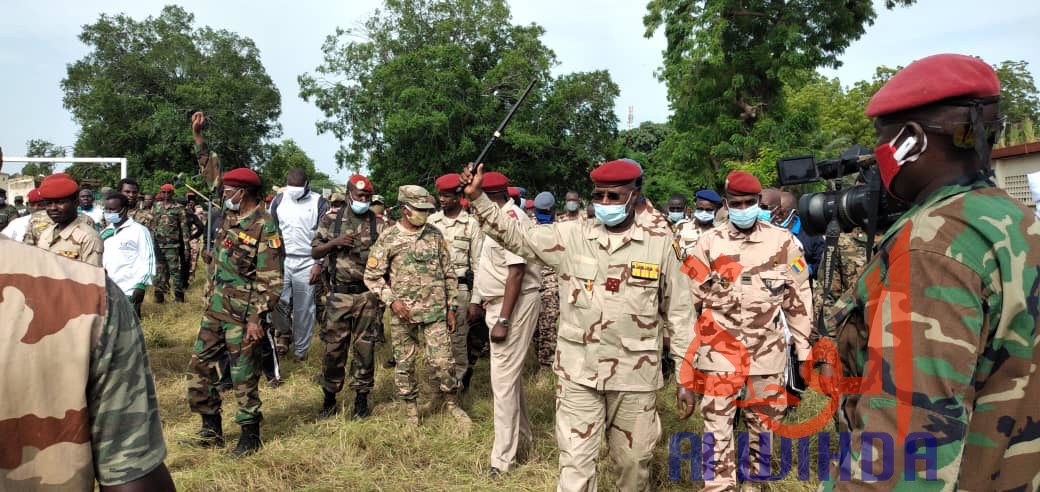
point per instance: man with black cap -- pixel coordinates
(943, 321)
(622, 293)
(69, 234)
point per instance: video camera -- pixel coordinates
(866, 204)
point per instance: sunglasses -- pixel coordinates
(613, 196)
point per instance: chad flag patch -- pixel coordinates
(798, 265)
(275, 242)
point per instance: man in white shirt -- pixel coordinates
(130, 254)
(86, 207)
(17, 228)
(297, 210)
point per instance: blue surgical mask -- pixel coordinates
(543, 217)
(786, 224)
(572, 206)
(359, 207)
(765, 215)
(744, 218)
(113, 217)
(611, 215)
(704, 216)
(676, 216)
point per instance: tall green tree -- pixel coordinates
(727, 63)
(134, 92)
(287, 155)
(39, 147)
(1019, 101)
(417, 90)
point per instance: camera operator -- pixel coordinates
(952, 291)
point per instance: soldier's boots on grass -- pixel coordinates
(361, 409)
(412, 409)
(249, 442)
(329, 407)
(210, 436)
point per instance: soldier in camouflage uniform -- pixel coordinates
(572, 208)
(752, 274)
(81, 406)
(67, 234)
(621, 294)
(343, 242)
(8, 212)
(410, 268)
(462, 232)
(172, 242)
(247, 283)
(143, 216)
(948, 305)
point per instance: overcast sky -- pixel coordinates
(38, 38)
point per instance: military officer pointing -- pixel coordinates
(68, 234)
(621, 294)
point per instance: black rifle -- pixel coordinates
(501, 128)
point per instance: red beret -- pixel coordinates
(514, 192)
(242, 177)
(360, 182)
(615, 173)
(34, 196)
(166, 187)
(57, 186)
(448, 182)
(743, 183)
(529, 204)
(932, 79)
(494, 181)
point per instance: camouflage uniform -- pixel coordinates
(77, 240)
(195, 244)
(750, 280)
(247, 282)
(171, 235)
(144, 217)
(421, 275)
(965, 266)
(81, 405)
(687, 232)
(545, 334)
(619, 298)
(849, 264)
(37, 223)
(463, 235)
(569, 218)
(352, 311)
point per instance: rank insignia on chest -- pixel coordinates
(275, 242)
(678, 249)
(227, 243)
(613, 284)
(645, 271)
(798, 265)
(247, 239)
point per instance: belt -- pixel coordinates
(351, 288)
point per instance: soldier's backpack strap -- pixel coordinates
(332, 256)
(372, 226)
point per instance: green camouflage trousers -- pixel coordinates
(405, 337)
(351, 318)
(168, 268)
(217, 334)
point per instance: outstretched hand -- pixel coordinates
(472, 181)
(197, 120)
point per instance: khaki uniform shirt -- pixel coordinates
(77, 240)
(496, 260)
(463, 235)
(621, 294)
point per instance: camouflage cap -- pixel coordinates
(415, 196)
(337, 197)
(378, 199)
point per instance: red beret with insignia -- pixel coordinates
(166, 187)
(34, 196)
(242, 177)
(57, 186)
(494, 182)
(616, 173)
(359, 182)
(933, 79)
(514, 192)
(742, 183)
(448, 182)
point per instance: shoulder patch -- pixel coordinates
(372, 262)
(798, 265)
(511, 213)
(275, 242)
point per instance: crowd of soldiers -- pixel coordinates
(615, 298)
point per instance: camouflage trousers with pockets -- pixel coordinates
(352, 320)
(405, 338)
(169, 269)
(460, 339)
(218, 334)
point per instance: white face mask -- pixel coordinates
(230, 202)
(295, 192)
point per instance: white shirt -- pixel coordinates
(17, 227)
(129, 255)
(298, 221)
(95, 213)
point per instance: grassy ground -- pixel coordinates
(381, 452)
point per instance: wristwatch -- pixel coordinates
(504, 322)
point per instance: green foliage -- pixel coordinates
(39, 147)
(285, 156)
(418, 90)
(133, 93)
(1019, 101)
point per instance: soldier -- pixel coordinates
(247, 285)
(69, 323)
(572, 208)
(67, 234)
(707, 204)
(462, 232)
(171, 235)
(410, 269)
(676, 209)
(949, 302)
(545, 333)
(754, 275)
(621, 294)
(343, 242)
(148, 201)
(8, 212)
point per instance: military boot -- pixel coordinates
(160, 297)
(178, 296)
(361, 409)
(451, 402)
(412, 409)
(249, 442)
(329, 407)
(466, 378)
(210, 436)
(432, 406)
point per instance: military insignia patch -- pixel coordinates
(613, 284)
(275, 242)
(227, 243)
(372, 262)
(645, 271)
(588, 286)
(798, 265)
(511, 213)
(677, 249)
(69, 254)
(247, 239)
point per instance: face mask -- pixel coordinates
(765, 215)
(113, 217)
(704, 216)
(359, 207)
(676, 216)
(417, 218)
(786, 223)
(86, 208)
(572, 206)
(543, 217)
(610, 215)
(891, 159)
(295, 192)
(230, 203)
(745, 218)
